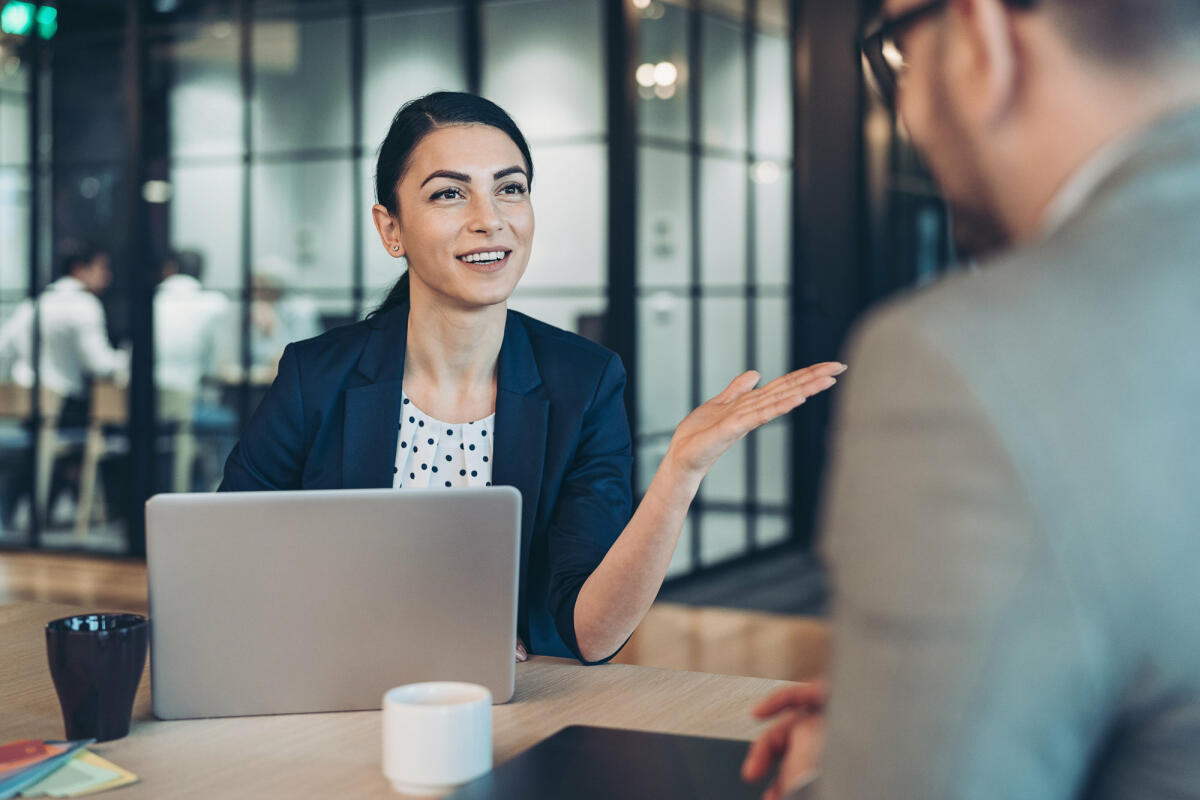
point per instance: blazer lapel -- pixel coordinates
(370, 427)
(522, 416)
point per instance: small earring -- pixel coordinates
(396, 247)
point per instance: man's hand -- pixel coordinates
(794, 742)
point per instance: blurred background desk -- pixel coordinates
(338, 755)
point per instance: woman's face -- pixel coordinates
(465, 220)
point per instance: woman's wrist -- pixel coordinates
(680, 480)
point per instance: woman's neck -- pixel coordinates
(451, 357)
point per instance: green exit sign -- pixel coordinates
(19, 17)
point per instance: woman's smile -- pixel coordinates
(485, 260)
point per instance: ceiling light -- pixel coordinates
(665, 73)
(156, 191)
(646, 75)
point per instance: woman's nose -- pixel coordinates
(485, 217)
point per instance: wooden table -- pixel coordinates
(338, 755)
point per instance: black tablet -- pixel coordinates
(585, 763)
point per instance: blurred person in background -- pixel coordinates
(1012, 521)
(74, 349)
(74, 343)
(189, 321)
(277, 317)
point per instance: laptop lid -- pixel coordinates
(285, 602)
(586, 763)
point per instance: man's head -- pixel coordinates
(1007, 98)
(89, 266)
(184, 262)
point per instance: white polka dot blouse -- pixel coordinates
(432, 454)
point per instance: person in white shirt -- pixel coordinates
(277, 317)
(189, 326)
(73, 348)
(187, 320)
(74, 335)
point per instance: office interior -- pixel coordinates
(716, 189)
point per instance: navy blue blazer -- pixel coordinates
(331, 421)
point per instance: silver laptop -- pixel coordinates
(285, 602)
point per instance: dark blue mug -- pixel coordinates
(96, 661)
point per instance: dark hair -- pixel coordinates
(186, 262)
(1125, 33)
(1128, 32)
(77, 254)
(414, 121)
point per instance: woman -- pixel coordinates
(443, 386)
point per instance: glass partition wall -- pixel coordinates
(714, 251)
(19, 420)
(237, 198)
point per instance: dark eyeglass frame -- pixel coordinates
(883, 34)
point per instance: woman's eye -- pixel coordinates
(447, 194)
(513, 188)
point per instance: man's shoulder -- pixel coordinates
(1050, 295)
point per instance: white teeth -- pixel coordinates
(477, 258)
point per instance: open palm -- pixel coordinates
(720, 423)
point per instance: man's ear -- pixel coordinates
(388, 228)
(986, 59)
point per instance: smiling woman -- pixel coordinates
(448, 158)
(443, 386)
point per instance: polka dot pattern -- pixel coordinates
(463, 450)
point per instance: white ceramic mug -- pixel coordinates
(436, 736)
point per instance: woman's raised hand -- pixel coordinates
(717, 425)
(619, 592)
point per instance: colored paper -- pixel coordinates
(16, 756)
(124, 776)
(86, 773)
(72, 778)
(15, 784)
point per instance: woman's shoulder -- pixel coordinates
(334, 350)
(561, 348)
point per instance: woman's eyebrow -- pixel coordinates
(445, 173)
(465, 178)
(509, 171)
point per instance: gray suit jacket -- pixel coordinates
(1012, 522)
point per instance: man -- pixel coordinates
(187, 320)
(1012, 523)
(74, 335)
(188, 324)
(277, 317)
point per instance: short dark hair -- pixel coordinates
(413, 122)
(76, 255)
(187, 262)
(1122, 32)
(1126, 32)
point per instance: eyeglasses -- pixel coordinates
(881, 44)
